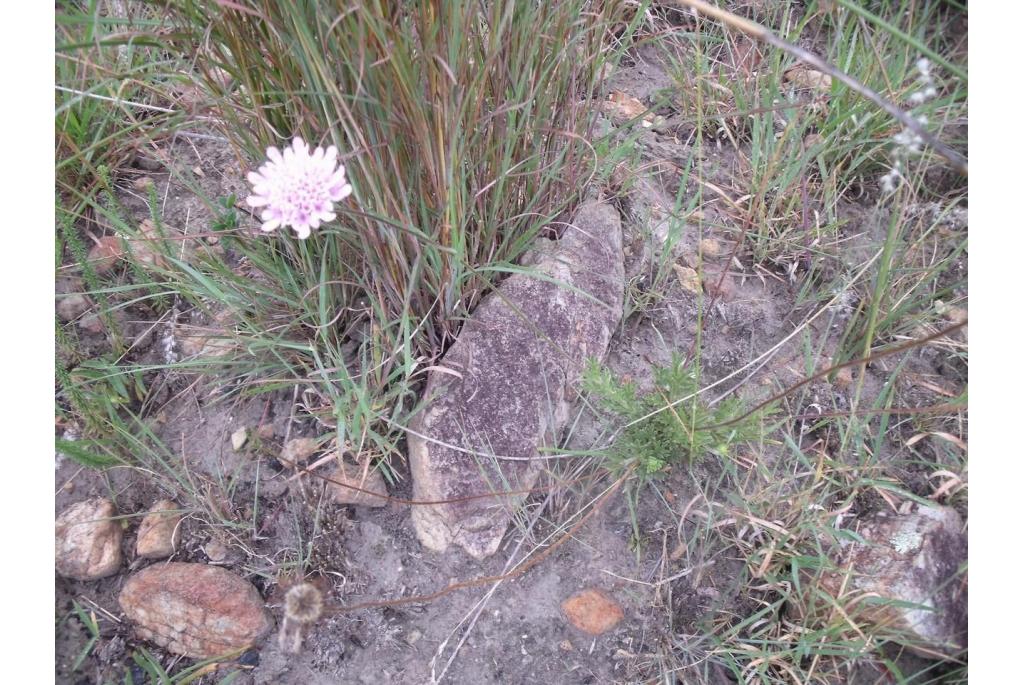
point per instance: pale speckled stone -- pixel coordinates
(88, 540)
(913, 559)
(517, 359)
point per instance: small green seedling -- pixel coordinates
(681, 432)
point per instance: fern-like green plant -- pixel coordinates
(682, 433)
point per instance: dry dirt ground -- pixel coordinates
(514, 632)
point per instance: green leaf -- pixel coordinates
(78, 453)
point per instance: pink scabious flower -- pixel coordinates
(298, 189)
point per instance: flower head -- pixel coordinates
(303, 603)
(297, 188)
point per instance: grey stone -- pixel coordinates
(516, 360)
(72, 306)
(907, 578)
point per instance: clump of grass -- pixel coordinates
(659, 430)
(460, 124)
(107, 93)
(462, 128)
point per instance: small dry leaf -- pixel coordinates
(844, 377)
(297, 451)
(688, 278)
(802, 77)
(948, 437)
(143, 183)
(621, 108)
(952, 485)
(890, 499)
(104, 254)
(916, 379)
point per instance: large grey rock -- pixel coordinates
(517, 359)
(907, 578)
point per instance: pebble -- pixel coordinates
(72, 306)
(688, 278)
(160, 532)
(104, 254)
(216, 551)
(709, 247)
(239, 437)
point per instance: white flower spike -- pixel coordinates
(298, 189)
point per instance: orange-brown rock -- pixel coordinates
(195, 610)
(592, 611)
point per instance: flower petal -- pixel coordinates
(331, 156)
(339, 193)
(338, 177)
